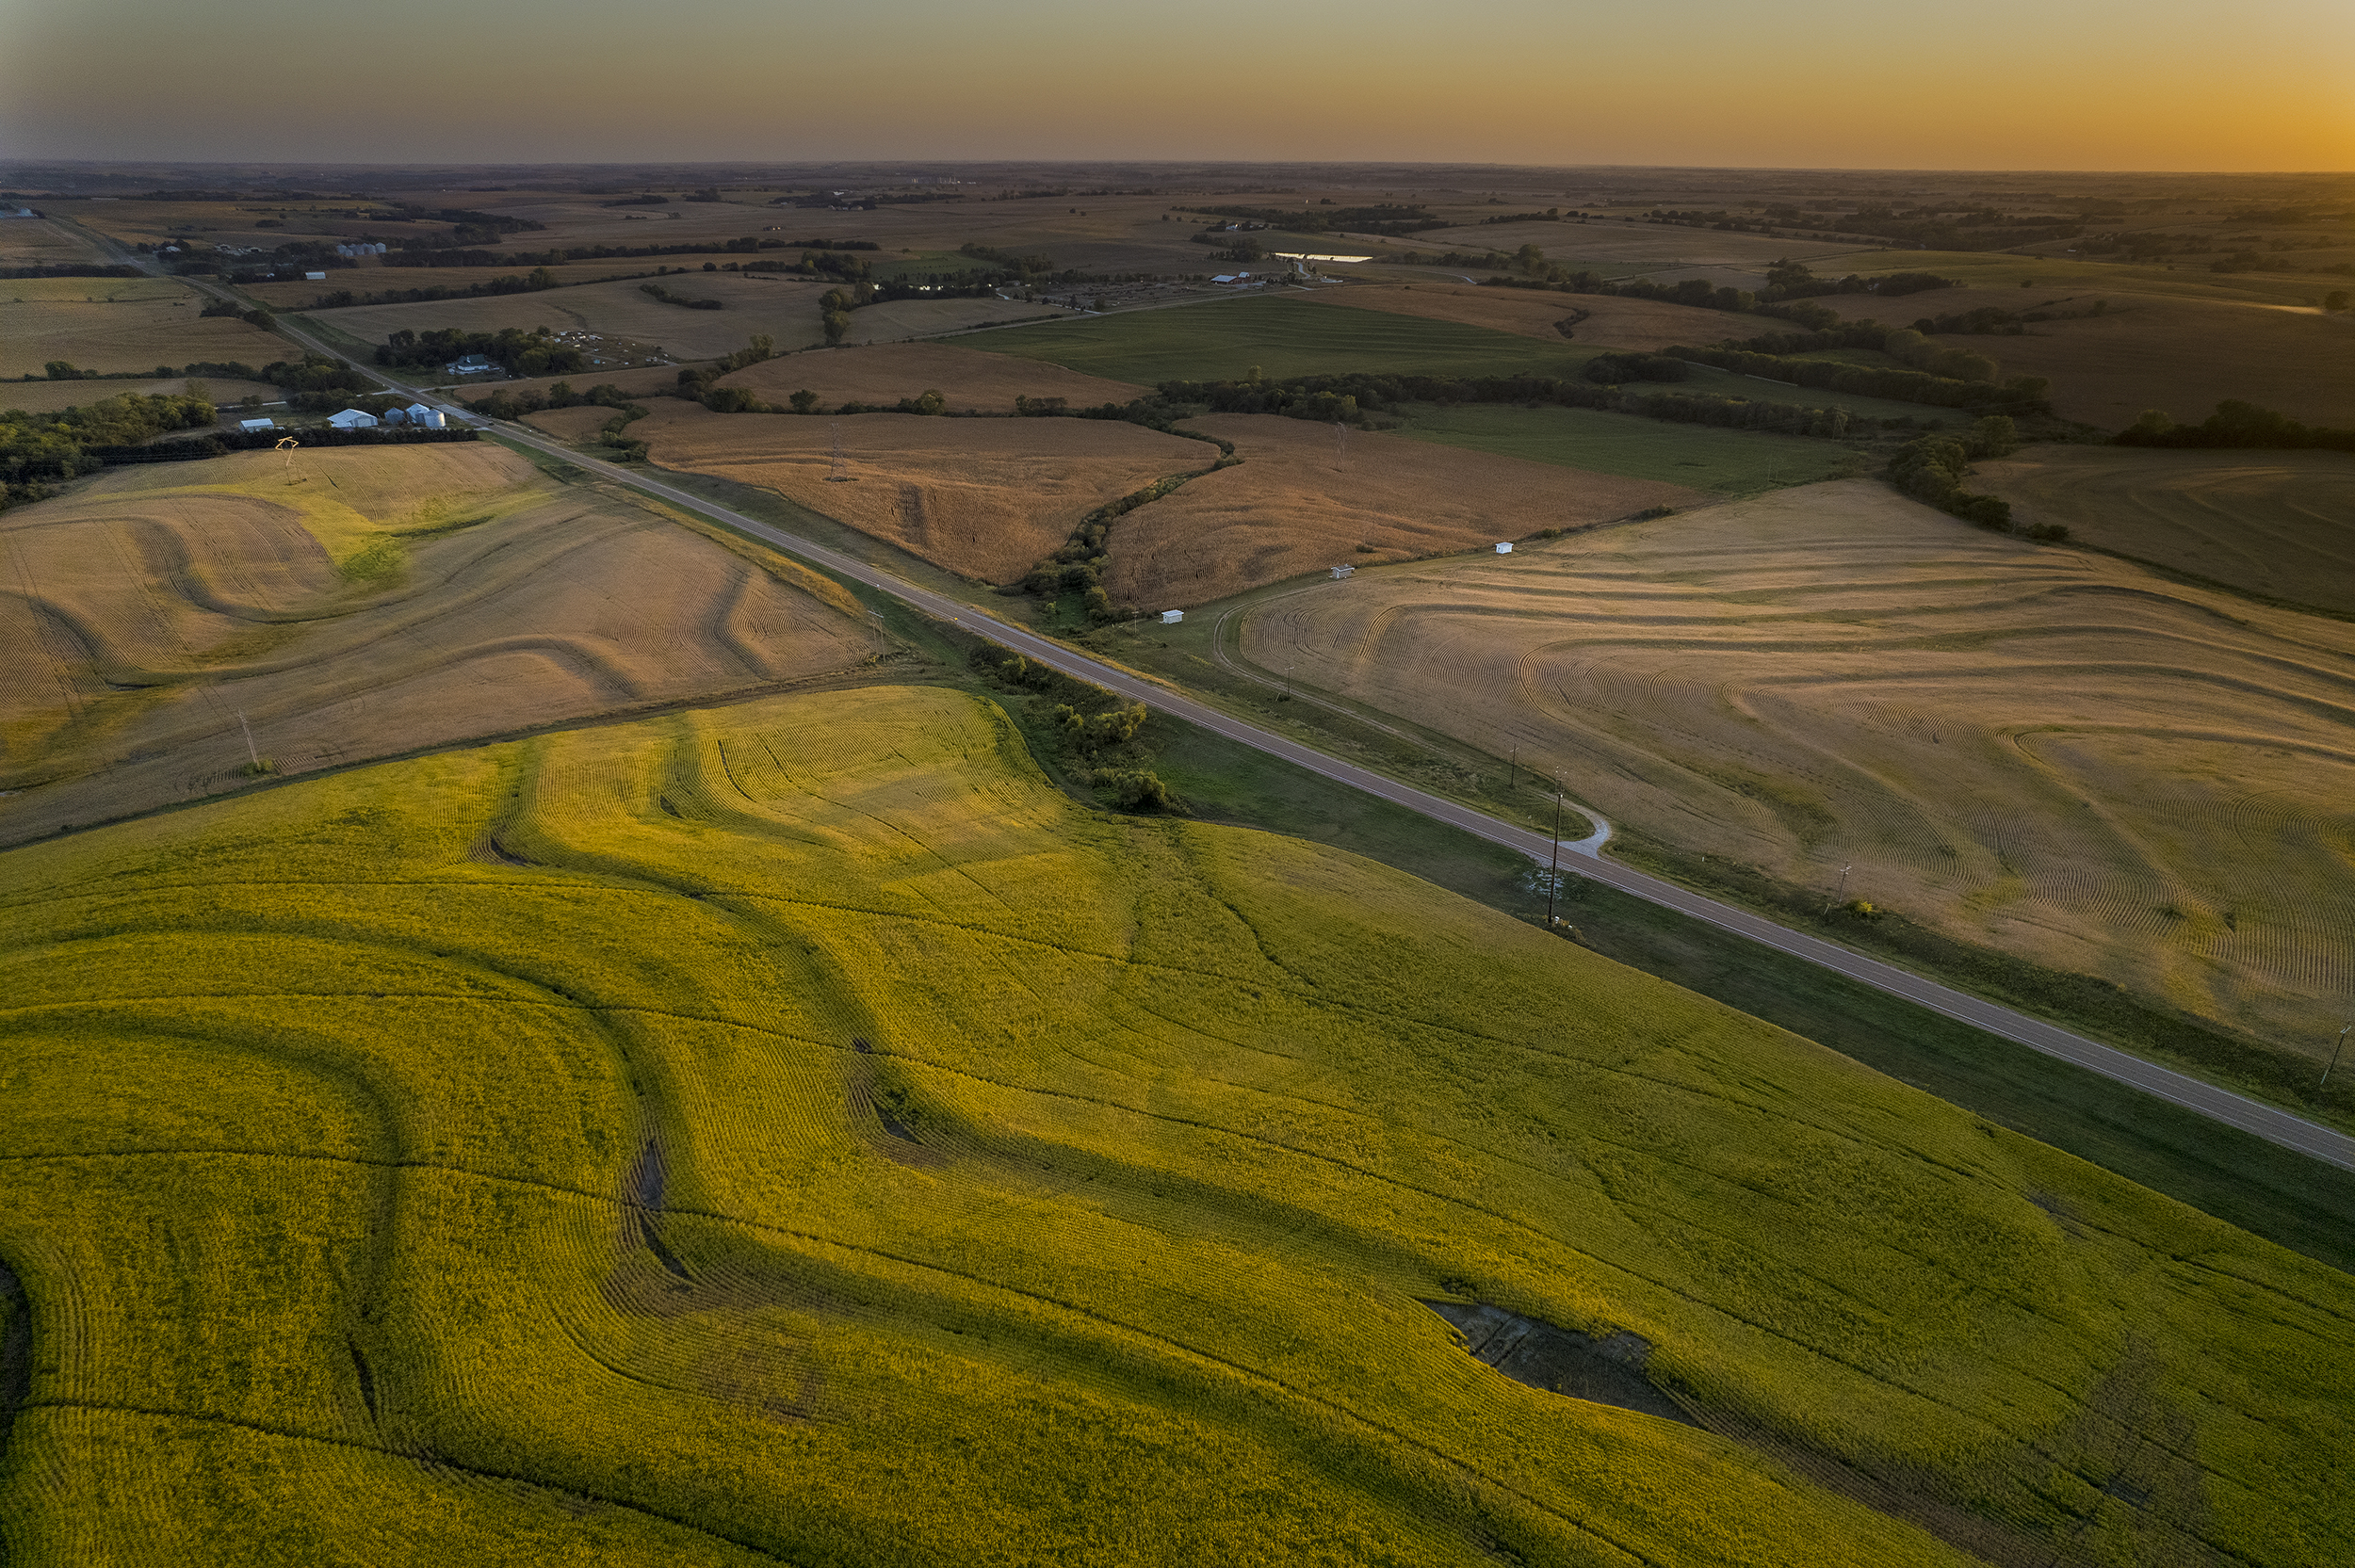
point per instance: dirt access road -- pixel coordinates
(2221, 1104)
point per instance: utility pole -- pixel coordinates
(252, 755)
(1554, 867)
(1288, 683)
(2334, 1055)
(1515, 776)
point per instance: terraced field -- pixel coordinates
(2058, 754)
(364, 603)
(1302, 501)
(2271, 522)
(793, 1132)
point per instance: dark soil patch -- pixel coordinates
(1608, 1370)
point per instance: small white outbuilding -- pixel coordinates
(1171, 618)
(1505, 548)
(314, 277)
(257, 424)
(351, 419)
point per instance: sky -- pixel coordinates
(2000, 84)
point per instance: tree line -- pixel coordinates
(512, 349)
(39, 450)
(1932, 469)
(2235, 424)
(1356, 398)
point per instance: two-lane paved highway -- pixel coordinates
(2235, 1110)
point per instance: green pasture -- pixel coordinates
(1224, 339)
(798, 1132)
(1730, 462)
(2189, 280)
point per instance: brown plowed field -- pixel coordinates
(985, 498)
(969, 378)
(140, 615)
(2150, 351)
(2280, 523)
(112, 324)
(1300, 502)
(1636, 325)
(2049, 752)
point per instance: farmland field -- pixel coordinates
(1284, 337)
(1698, 457)
(1300, 502)
(2272, 523)
(37, 242)
(785, 310)
(111, 324)
(368, 603)
(2043, 752)
(969, 378)
(985, 498)
(793, 1131)
(2182, 354)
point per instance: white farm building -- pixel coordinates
(352, 419)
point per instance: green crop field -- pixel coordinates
(1733, 462)
(1222, 340)
(797, 1132)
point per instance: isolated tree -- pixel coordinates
(1529, 258)
(837, 323)
(803, 401)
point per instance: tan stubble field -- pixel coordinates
(2042, 750)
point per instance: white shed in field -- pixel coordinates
(1505, 548)
(1171, 618)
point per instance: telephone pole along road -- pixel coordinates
(2177, 1088)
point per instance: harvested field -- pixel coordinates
(1301, 503)
(576, 424)
(46, 396)
(2050, 753)
(38, 242)
(2278, 524)
(110, 324)
(785, 309)
(796, 1132)
(969, 378)
(2183, 355)
(1634, 325)
(985, 498)
(383, 599)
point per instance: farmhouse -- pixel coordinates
(473, 364)
(351, 419)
